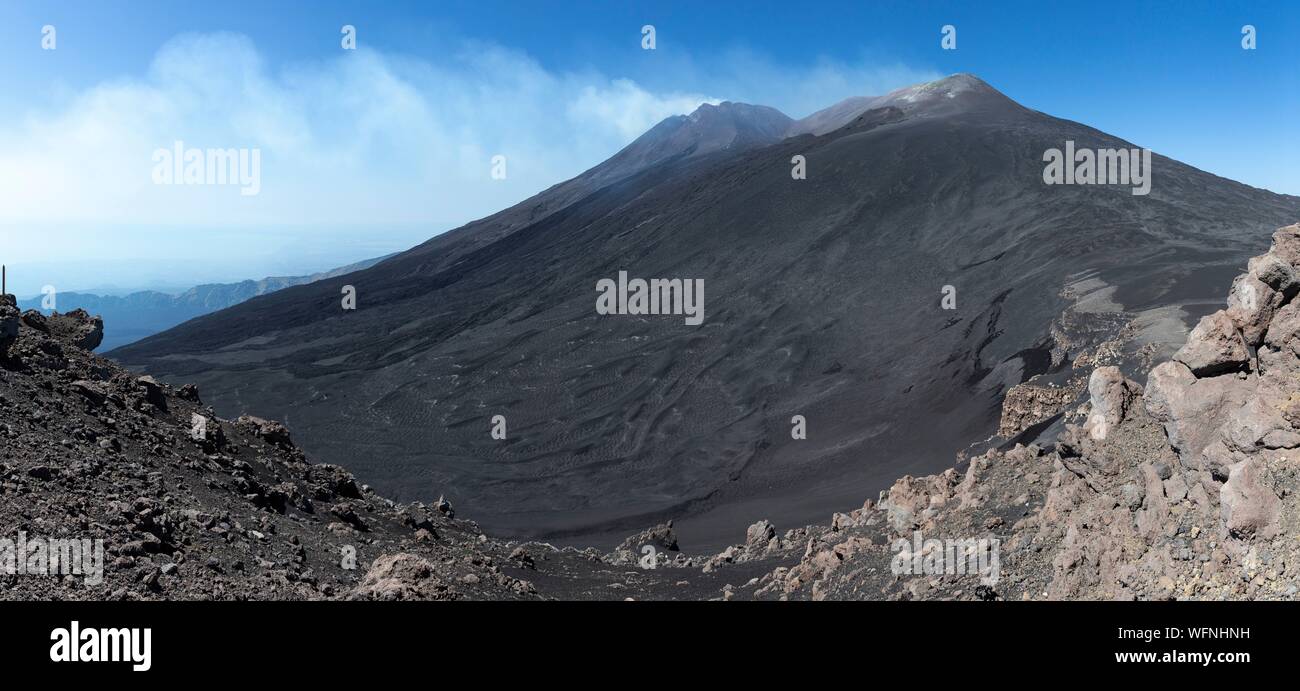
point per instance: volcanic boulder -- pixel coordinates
(1250, 506)
(1112, 395)
(78, 328)
(1214, 346)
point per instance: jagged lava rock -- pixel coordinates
(78, 328)
(1213, 346)
(1111, 395)
(1191, 409)
(1250, 507)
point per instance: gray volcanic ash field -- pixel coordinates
(823, 299)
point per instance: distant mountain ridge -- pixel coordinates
(129, 318)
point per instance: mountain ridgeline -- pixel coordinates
(823, 300)
(128, 318)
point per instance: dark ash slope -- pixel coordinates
(822, 299)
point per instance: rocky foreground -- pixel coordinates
(190, 506)
(1182, 488)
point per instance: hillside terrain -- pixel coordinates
(824, 298)
(1182, 487)
(191, 506)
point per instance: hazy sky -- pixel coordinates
(369, 151)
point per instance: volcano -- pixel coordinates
(920, 271)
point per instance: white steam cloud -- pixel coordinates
(359, 138)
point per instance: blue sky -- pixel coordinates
(373, 150)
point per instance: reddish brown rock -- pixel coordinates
(1250, 506)
(1111, 395)
(1213, 347)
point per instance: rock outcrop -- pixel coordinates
(1027, 404)
(192, 506)
(185, 505)
(1215, 345)
(10, 318)
(1111, 397)
(1183, 489)
(77, 328)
